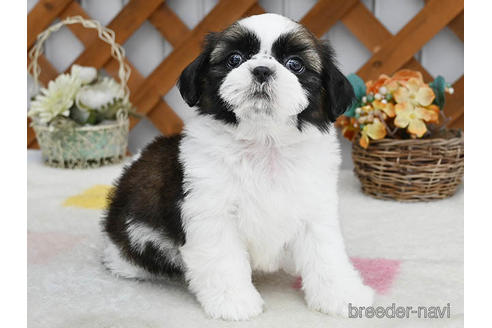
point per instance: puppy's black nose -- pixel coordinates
(262, 73)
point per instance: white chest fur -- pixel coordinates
(266, 189)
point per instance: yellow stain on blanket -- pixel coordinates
(93, 198)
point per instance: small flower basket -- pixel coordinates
(399, 149)
(81, 119)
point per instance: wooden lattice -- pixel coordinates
(389, 52)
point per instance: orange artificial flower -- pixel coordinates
(386, 107)
(415, 93)
(434, 113)
(375, 131)
(413, 118)
(407, 74)
(349, 126)
(374, 86)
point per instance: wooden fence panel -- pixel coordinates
(389, 52)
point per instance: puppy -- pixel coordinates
(251, 184)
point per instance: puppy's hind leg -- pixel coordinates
(114, 261)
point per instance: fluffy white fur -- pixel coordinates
(140, 234)
(119, 266)
(268, 27)
(286, 95)
(260, 201)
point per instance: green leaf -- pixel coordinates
(359, 90)
(358, 85)
(439, 86)
(78, 115)
(92, 117)
(350, 112)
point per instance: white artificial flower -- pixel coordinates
(99, 95)
(56, 99)
(84, 73)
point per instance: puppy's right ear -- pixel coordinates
(189, 80)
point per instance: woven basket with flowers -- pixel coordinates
(401, 148)
(81, 118)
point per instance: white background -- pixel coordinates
(147, 48)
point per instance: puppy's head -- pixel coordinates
(266, 66)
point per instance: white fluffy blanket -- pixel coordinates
(411, 254)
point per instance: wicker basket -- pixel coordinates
(410, 170)
(84, 146)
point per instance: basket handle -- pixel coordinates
(104, 33)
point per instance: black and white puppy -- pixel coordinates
(251, 184)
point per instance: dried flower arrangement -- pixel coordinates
(81, 97)
(402, 106)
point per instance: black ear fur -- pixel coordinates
(338, 92)
(189, 82)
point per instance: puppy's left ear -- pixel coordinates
(338, 92)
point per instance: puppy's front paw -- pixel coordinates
(335, 300)
(233, 304)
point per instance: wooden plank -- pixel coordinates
(325, 13)
(366, 27)
(164, 118)
(170, 25)
(255, 9)
(399, 49)
(458, 123)
(47, 71)
(164, 77)
(41, 16)
(85, 35)
(34, 145)
(124, 24)
(457, 25)
(372, 33)
(455, 105)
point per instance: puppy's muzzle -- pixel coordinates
(262, 73)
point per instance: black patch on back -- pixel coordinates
(200, 82)
(149, 192)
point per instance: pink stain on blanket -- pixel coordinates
(376, 273)
(43, 246)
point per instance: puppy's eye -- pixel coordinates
(234, 60)
(295, 65)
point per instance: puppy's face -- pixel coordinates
(266, 67)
